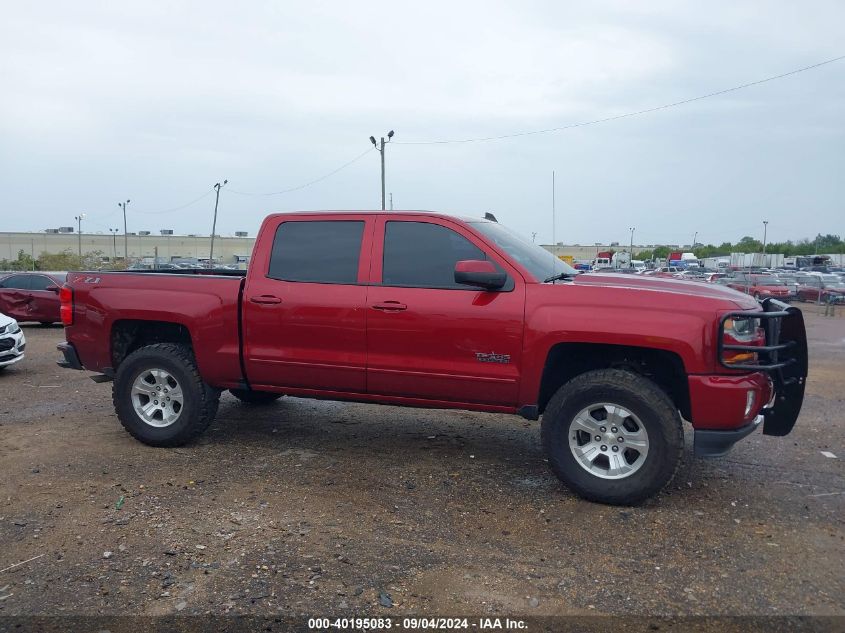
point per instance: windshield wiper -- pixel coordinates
(559, 276)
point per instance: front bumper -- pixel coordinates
(726, 408)
(709, 443)
(12, 348)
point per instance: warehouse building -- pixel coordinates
(143, 244)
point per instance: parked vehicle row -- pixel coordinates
(762, 284)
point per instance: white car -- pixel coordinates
(12, 342)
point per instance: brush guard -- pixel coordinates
(783, 357)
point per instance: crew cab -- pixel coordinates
(427, 310)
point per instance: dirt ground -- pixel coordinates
(323, 508)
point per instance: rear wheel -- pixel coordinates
(160, 398)
(613, 436)
(249, 396)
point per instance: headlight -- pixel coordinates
(743, 329)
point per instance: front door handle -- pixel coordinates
(265, 299)
(390, 306)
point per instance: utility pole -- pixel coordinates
(554, 228)
(695, 239)
(78, 219)
(391, 201)
(765, 226)
(125, 239)
(533, 237)
(217, 187)
(380, 148)
(631, 250)
(114, 244)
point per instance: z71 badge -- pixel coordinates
(492, 358)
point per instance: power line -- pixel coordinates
(627, 114)
(310, 182)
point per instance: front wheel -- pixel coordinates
(160, 398)
(613, 436)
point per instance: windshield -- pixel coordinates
(536, 259)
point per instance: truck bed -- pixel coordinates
(203, 305)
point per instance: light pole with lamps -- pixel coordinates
(79, 219)
(125, 239)
(217, 187)
(114, 244)
(765, 227)
(380, 148)
(631, 251)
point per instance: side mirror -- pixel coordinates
(52, 289)
(474, 272)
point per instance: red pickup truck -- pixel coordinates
(427, 310)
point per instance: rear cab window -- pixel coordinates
(319, 251)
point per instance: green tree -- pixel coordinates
(66, 260)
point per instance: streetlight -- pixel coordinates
(631, 251)
(125, 239)
(765, 226)
(114, 243)
(217, 187)
(380, 148)
(695, 239)
(78, 219)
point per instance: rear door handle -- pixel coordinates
(265, 299)
(390, 306)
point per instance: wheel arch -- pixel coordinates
(127, 335)
(565, 361)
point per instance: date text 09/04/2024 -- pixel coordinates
(416, 623)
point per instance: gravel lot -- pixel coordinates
(317, 508)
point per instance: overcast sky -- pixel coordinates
(156, 101)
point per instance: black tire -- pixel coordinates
(199, 405)
(247, 396)
(639, 396)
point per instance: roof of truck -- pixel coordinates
(437, 214)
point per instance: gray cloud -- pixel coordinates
(158, 101)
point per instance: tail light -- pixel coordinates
(66, 309)
(739, 331)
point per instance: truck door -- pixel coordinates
(304, 304)
(43, 303)
(433, 339)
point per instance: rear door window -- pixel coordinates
(322, 251)
(40, 282)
